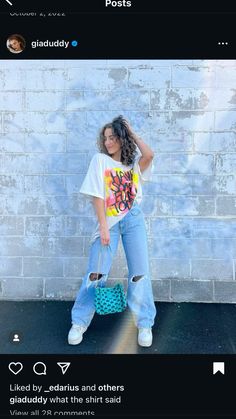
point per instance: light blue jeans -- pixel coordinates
(132, 230)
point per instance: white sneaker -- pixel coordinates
(145, 337)
(75, 335)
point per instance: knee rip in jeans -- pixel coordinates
(136, 278)
(95, 277)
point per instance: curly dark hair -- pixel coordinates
(120, 130)
(18, 38)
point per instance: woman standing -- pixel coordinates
(114, 182)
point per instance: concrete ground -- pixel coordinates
(180, 328)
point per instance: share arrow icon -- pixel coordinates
(64, 366)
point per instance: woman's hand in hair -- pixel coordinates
(131, 133)
(104, 234)
(147, 153)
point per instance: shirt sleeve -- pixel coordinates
(93, 184)
(146, 175)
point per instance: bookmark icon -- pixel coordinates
(218, 366)
(64, 366)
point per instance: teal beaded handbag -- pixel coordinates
(109, 300)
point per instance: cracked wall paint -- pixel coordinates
(50, 116)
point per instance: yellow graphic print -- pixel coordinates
(121, 189)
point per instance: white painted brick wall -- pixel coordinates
(50, 115)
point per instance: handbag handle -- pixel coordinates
(99, 263)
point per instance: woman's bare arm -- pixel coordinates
(146, 151)
(103, 227)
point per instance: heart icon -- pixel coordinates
(15, 367)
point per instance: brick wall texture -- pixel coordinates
(50, 114)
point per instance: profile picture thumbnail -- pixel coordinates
(16, 43)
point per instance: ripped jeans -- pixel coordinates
(139, 292)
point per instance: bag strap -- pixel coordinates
(99, 263)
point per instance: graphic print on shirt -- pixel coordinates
(121, 189)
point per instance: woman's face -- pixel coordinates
(15, 44)
(111, 142)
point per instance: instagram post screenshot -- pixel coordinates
(117, 209)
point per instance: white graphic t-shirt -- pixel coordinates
(118, 185)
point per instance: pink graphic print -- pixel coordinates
(121, 189)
